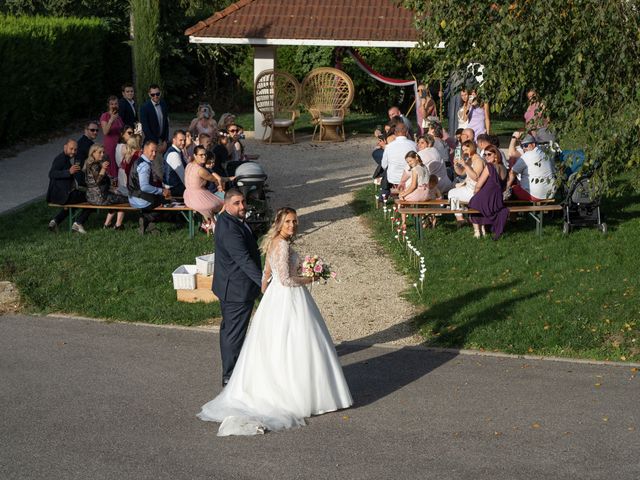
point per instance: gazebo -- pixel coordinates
(266, 24)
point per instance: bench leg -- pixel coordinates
(537, 216)
(188, 216)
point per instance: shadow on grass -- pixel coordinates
(615, 210)
(448, 334)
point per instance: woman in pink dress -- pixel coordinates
(112, 125)
(196, 195)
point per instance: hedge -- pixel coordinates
(52, 71)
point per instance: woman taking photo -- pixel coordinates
(112, 125)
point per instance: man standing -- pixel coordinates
(63, 187)
(143, 195)
(237, 280)
(155, 119)
(86, 140)
(174, 165)
(127, 106)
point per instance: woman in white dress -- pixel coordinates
(288, 368)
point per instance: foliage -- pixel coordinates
(570, 295)
(146, 48)
(51, 72)
(580, 56)
(103, 274)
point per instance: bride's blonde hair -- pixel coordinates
(275, 228)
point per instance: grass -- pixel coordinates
(568, 296)
(104, 274)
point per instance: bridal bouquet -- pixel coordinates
(313, 265)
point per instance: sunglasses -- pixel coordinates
(233, 131)
(488, 154)
(129, 132)
(92, 129)
(155, 94)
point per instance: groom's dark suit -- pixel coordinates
(237, 279)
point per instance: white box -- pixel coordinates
(184, 277)
(205, 264)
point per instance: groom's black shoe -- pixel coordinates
(224, 382)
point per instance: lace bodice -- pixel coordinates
(284, 262)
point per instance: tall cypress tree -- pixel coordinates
(146, 46)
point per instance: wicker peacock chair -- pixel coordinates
(327, 93)
(276, 95)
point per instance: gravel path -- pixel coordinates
(318, 180)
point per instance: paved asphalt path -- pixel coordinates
(84, 399)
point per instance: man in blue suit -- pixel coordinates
(237, 277)
(155, 118)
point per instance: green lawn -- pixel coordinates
(571, 296)
(104, 274)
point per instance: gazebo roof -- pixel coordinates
(358, 23)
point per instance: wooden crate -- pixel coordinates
(202, 292)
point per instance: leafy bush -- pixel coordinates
(52, 70)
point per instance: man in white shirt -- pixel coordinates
(393, 159)
(536, 172)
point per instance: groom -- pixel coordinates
(237, 277)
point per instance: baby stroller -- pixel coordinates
(581, 206)
(251, 181)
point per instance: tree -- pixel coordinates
(580, 56)
(146, 48)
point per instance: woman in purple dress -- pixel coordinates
(488, 197)
(112, 125)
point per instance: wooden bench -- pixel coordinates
(444, 201)
(536, 212)
(185, 211)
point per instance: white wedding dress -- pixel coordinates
(288, 368)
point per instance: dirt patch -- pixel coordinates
(318, 180)
(9, 298)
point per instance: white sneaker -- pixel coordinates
(76, 227)
(53, 226)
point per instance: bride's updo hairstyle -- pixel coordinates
(275, 228)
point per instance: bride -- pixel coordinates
(288, 368)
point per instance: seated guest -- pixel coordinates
(125, 135)
(174, 164)
(226, 120)
(63, 186)
(395, 112)
(420, 186)
(130, 153)
(536, 174)
(235, 149)
(196, 195)
(393, 159)
(220, 151)
(96, 169)
(487, 198)
(433, 162)
(471, 165)
(493, 155)
(143, 195)
(435, 130)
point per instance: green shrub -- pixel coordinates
(52, 71)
